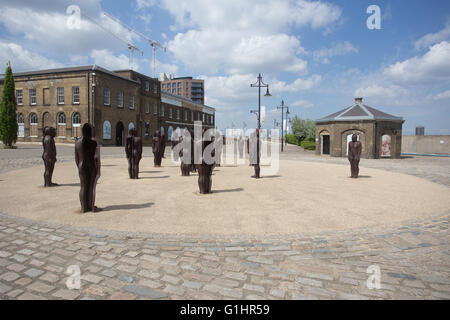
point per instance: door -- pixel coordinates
(119, 134)
(325, 144)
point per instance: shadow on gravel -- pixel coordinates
(128, 206)
(161, 177)
(150, 171)
(68, 185)
(109, 165)
(270, 177)
(228, 190)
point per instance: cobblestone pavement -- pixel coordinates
(413, 258)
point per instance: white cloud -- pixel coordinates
(378, 91)
(302, 103)
(106, 59)
(299, 84)
(431, 67)
(442, 95)
(433, 38)
(143, 4)
(22, 59)
(340, 48)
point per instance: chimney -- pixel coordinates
(358, 100)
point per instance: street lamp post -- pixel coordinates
(259, 84)
(282, 107)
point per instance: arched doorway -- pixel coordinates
(119, 133)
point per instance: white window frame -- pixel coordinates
(58, 95)
(155, 88)
(185, 115)
(33, 124)
(32, 96)
(132, 101)
(61, 124)
(106, 97)
(147, 86)
(120, 99)
(19, 97)
(170, 112)
(103, 133)
(75, 94)
(147, 107)
(20, 124)
(75, 125)
(162, 110)
(155, 109)
(178, 114)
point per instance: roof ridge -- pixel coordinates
(362, 106)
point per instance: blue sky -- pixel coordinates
(315, 55)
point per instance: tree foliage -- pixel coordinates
(8, 121)
(303, 129)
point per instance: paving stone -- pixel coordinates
(14, 293)
(170, 279)
(253, 287)
(9, 276)
(109, 273)
(16, 267)
(309, 282)
(151, 283)
(192, 284)
(4, 288)
(176, 290)
(128, 278)
(301, 296)
(26, 252)
(126, 268)
(67, 294)
(40, 287)
(19, 258)
(278, 293)
(33, 272)
(122, 296)
(49, 277)
(92, 278)
(236, 276)
(104, 263)
(145, 292)
(258, 259)
(30, 296)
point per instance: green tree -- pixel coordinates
(8, 121)
(303, 129)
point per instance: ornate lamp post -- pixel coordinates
(282, 107)
(259, 84)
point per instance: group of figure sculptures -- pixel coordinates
(87, 157)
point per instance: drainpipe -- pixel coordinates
(88, 96)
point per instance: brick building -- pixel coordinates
(380, 133)
(186, 87)
(113, 102)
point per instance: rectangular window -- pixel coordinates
(155, 109)
(106, 97)
(162, 110)
(19, 97)
(178, 114)
(192, 115)
(185, 115)
(203, 118)
(179, 84)
(147, 107)
(147, 86)
(168, 86)
(163, 85)
(120, 99)
(76, 95)
(155, 88)
(173, 90)
(131, 101)
(170, 113)
(32, 96)
(60, 94)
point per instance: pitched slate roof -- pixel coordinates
(359, 111)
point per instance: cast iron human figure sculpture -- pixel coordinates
(98, 166)
(49, 155)
(156, 148)
(133, 150)
(205, 169)
(163, 145)
(354, 155)
(193, 167)
(185, 150)
(88, 168)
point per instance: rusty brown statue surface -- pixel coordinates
(354, 155)
(49, 155)
(183, 155)
(205, 168)
(88, 167)
(133, 149)
(156, 148)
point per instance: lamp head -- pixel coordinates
(267, 93)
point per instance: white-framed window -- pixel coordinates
(61, 125)
(203, 118)
(147, 86)
(76, 95)
(179, 84)
(76, 125)
(107, 97)
(163, 85)
(32, 93)
(60, 95)
(155, 109)
(168, 86)
(33, 125)
(120, 99)
(185, 115)
(155, 88)
(162, 110)
(170, 113)
(147, 107)
(169, 133)
(178, 114)
(106, 130)
(131, 101)
(192, 115)
(174, 90)
(19, 97)
(20, 126)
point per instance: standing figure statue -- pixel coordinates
(133, 150)
(49, 155)
(241, 144)
(156, 148)
(88, 167)
(175, 139)
(354, 155)
(185, 164)
(193, 167)
(163, 145)
(205, 169)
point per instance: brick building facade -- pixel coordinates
(113, 102)
(380, 133)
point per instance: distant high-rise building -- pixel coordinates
(186, 87)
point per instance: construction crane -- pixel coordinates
(130, 46)
(153, 43)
